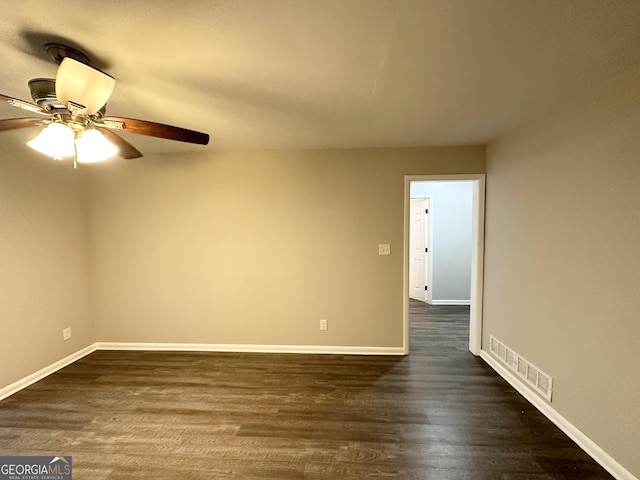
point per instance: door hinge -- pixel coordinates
(426, 288)
(426, 250)
(426, 211)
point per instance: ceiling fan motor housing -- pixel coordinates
(43, 92)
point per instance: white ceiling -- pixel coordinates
(327, 73)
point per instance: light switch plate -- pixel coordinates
(384, 249)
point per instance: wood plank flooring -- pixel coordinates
(439, 413)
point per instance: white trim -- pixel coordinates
(477, 254)
(584, 442)
(193, 347)
(250, 348)
(450, 302)
(44, 372)
(477, 266)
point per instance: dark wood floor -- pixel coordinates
(439, 413)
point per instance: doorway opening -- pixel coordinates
(419, 266)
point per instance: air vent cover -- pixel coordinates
(532, 375)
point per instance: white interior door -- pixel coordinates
(427, 253)
(418, 240)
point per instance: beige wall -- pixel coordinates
(256, 247)
(562, 265)
(44, 274)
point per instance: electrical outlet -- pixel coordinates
(66, 334)
(384, 249)
(324, 324)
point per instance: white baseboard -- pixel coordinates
(249, 348)
(588, 445)
(194, 347)
(450, 302)
(45, 372)
(584, 442)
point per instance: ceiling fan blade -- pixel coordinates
(152, 129)
(16, 102)
(15, 123)
(126, 150)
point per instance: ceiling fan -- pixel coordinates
(74, 106)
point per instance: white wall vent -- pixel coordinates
(536, 378)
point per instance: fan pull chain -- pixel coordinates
(75, 153)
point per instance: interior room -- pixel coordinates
(258, 206)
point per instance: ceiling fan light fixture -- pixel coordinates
(93, 147)
(83, 85)
(75, 104)
(56, 140)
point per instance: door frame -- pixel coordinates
(477, 254)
